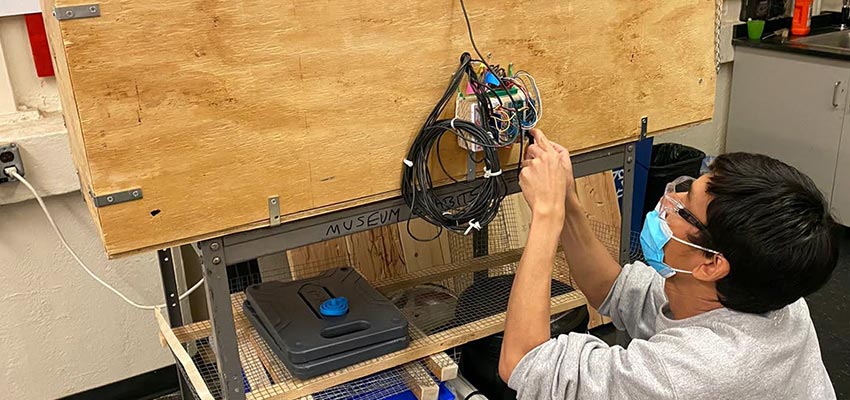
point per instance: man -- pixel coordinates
(717, 314)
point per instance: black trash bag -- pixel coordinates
(668, 162)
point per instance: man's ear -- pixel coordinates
(713, 269)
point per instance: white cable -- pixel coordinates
(12, 171)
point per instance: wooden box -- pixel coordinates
(209, 107)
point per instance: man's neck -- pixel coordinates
(688, 297)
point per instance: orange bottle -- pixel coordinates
(802, 22)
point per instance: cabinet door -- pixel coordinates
(841, 187)
(789, 107)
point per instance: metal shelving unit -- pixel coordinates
(218, 253)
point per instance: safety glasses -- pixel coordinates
(671, 204)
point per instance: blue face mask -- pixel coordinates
(653, 237)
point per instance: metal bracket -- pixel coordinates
(116, 198)
(76, 12)
(644, 122)
(274, 211)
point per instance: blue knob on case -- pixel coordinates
(334, 307)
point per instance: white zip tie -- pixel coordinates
(452, 123)
(408, 163)
(472, 224)
(488, 173)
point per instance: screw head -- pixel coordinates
(135, 193)
(69, 13)
(274, 201)
(214, 246)
(93, 9)
(216, 260)
(109, 199)
(629, 159)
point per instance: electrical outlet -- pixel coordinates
(10, 157)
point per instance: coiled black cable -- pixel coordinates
(417, 185)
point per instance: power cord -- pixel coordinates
(13, 172)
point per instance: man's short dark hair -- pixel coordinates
(773, 225)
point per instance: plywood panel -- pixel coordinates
(306, 261)
(377, 253)
(423, 254)
(211, 107)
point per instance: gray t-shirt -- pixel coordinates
(720, 354)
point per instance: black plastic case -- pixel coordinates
(287, 315)
(317, 367)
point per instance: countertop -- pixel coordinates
(820, 24)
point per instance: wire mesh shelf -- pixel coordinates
(447, 304)
(256, 379)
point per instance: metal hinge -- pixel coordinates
(274, 211)
(76, 12)
(116, 198)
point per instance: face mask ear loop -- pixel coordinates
(698, 247)
(681, 271)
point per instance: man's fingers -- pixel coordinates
(560, 149)
(540, 139)
(533, 152)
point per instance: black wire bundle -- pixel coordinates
(417, 186)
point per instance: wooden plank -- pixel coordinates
(377, 253)
(442, 366)
(234, 102)
(418, 254)
(417, 380)
(183, 358)
(307, 261)
(440, 272)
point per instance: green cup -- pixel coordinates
(755, 29)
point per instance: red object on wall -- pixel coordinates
(38, 44)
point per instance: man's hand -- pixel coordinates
(547, 174)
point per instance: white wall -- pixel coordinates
(830, 5)
(60, 331)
